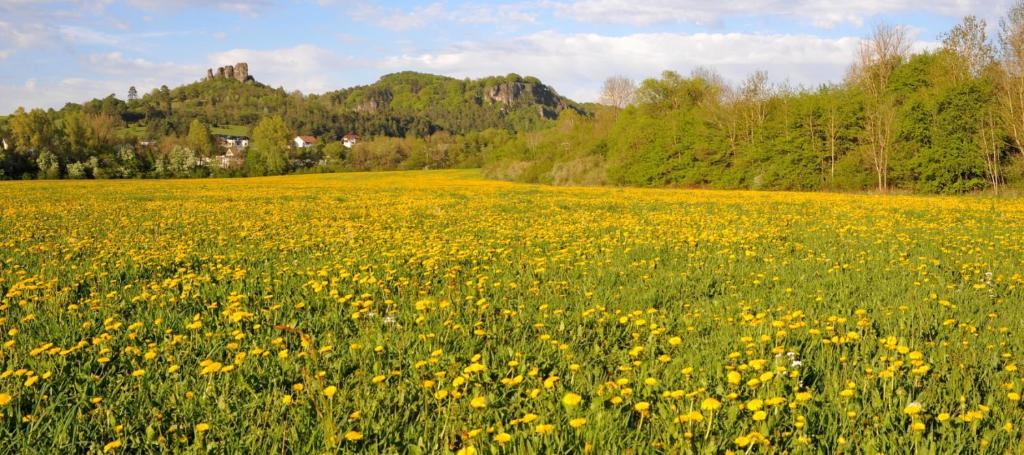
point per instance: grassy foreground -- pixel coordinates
(434, 311)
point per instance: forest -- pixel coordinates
(945, 120)
(949, 120)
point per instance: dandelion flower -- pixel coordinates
(913, 408)
(112, 445)
(710, 404)
(571, 400)
(545, 428)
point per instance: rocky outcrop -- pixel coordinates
(239, 72)
(507, 93)
(374, 101)
(515, 92)
(242, 71)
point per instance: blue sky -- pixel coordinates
(54, 51)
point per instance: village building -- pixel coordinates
(233, 158)
(304, 141)
(349, 140)
(233, 141)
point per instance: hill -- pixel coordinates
(456, 105)
(396, 105)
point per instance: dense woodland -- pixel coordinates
(946, 121)
(950, 120)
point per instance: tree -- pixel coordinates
(335, 151)
(49, 165)
(991, 149)
(754, 95)
(200, 139)
(133, 95)
(968, 42)
(34, 131)
(877, 59)
(268, 153)
(165, 98)
(1011, 83)
(127, 161)
(618, 91)
(181, 161)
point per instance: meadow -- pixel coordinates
(436, 312)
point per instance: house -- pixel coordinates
(4, 143)
(304, 141)
(233, 158)
(349, 140)
(233, 141)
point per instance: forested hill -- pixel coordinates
(397, 105)
(455, 105)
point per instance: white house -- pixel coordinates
(234, 141)
(304, 141)
(349, 140)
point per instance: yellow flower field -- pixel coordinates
(433, 312)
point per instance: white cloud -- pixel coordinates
(577, 64)
(87, 36)
(305, 67)
(822, 13)
(103, 74)
(22, 35)
(250, 7)
(404, 19)
(116, 64)
(34, 93)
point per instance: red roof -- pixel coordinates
(351, 136)
(308, 139)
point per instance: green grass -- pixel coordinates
(230, 130)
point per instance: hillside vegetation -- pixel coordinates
(946, 121)
(397, 105)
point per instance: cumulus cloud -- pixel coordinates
(823, 13)
(305, 67)
(577, 64)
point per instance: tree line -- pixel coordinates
(950, 120)
(410, 121)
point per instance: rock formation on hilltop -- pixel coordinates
(514, 91)
(239, 72)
